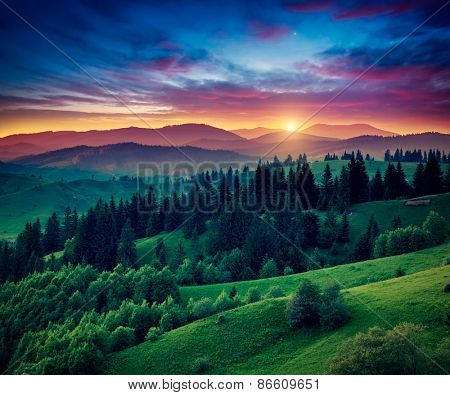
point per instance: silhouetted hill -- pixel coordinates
(167, 136)
(346, 131)
(125, 157)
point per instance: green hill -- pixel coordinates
(28, 198)
(272, 347)
(349, 275)
(360, 214)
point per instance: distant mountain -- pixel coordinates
(177, 135)
(346, 131)
(125, 157)
(255, 132)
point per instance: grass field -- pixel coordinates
(255, 339)
(25, 198)
(348, 276)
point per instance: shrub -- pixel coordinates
(302, 309)
(202, 308)
(333, 311)
(447, 287)
(153, 334)
(223, 303)
(122, 338)
(288, 271)
(436, 226)
(201, 365)
(220, 319)
(274, 291)
(268, 269)
(382, 352)
(253, 295)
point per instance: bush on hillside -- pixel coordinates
(333, 311)
(200, 308)
(269, 269)
(437, 227)
(122, 338)
(253, 295)
(201, 365)
(274, 291)
(223, 303)
(303, 307)
(288, 271)
(153, 334)
(382, 352)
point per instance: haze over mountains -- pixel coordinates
(77, 149)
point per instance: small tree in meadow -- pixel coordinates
(303, 307)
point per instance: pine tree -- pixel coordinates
(364, 247)
(418, 183)
(326, 189)
(343, 197)
(126, 251)
(161, 253)
(390, 182)
(402, 184)
(377, 187)
(433, 175)
(52, 236)
(359, 181)
(344, 231)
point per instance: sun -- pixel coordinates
(291, 126)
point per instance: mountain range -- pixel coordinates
(121, 149)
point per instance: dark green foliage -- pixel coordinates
(364, 247)
(122, 338)
(326, 189)
(333, 311)
(302, 309)
(379, 351)
(201, 365)
(52, 239)
(399, 272)
(329, 229)
(359, 181)
(253, 295)
(84, 307)
(268, 269)
(447, 287)
(126, 251)
(344, 230)
(376, 187)
(233, 292)
(437, 227)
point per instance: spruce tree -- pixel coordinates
(433, 175)
(344, 231)
(418, 183)
(126, 251)
(377, 187)
(326, 189)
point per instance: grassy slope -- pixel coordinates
(350, 275)
(272, 347)
(41, 199)
(361, 213)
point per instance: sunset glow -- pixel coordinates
(243, 66)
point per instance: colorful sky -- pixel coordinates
(229, 63)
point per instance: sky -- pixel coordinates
(81, 64)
